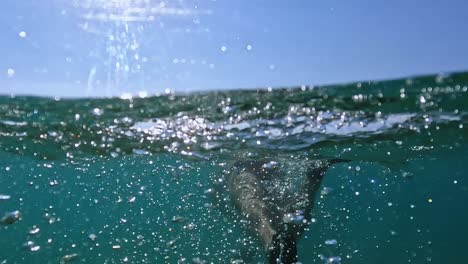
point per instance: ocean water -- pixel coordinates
(136, 180)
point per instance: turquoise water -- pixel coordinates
(134, 180)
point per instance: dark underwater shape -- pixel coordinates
(276, 211)
(10, 218)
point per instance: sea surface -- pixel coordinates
(133, 180)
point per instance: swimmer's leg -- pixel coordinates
(248, 196)
(289, 255)
(273, 253)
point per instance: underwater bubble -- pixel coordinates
(35, 248)
(190, 226)
(270, 165)
(31, 246)
(4, 197)
(28, 244)
(288, 218)
(198, 260)
(69, 258)
(53, 183)
(92, 236)
(208, 191)
(331, 242)
(178, 219)
(35, 230)
(326, 190)
(407, 175)
(331, 260)
(171, 243)
(52, 220)
(296, 217)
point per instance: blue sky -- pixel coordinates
(105, 48)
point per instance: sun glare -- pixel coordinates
(133, 10)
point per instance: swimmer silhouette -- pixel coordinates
(276, 200)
